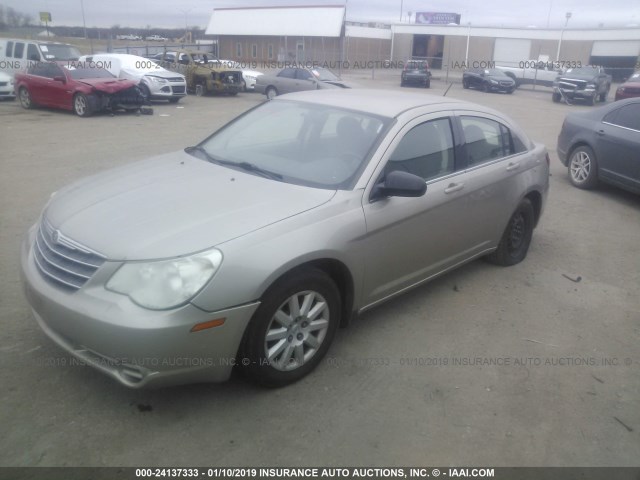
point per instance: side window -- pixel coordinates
(39, 69)
(288, 73)
(238, 49)
(303, 74)
(426, 150)
(9, 49)
(54, 71)
(627, 116)
(485, 139)
(18, 51)
(33, 53)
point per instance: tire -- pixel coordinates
(271, 93)
(280, 347)
(146, 93)
(511, 90)
(25, 98)
(556, 97)
(427, 84)
(81, 105)
(465, 83)
(583, 168)
(486, 88)
(592, 100)
(515, 241)
(174, 99)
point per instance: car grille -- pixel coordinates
(505, 84)
(3, 84)
(176, 79)
(63, 261)
(572, 84)
(231, 77)
(177, 89)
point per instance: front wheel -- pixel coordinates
(515, 241)
(583, 168)
(486, 88)
(556, 97)
(81, 106)
(603, 95)
(25, 98)
(465, 83)
(292, 329)
(271, 93)
(427, 83)
(174, 99)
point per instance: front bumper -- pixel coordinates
(135, 346)
(502, 88)
(584, 94)
(7, 92)
(415, 79)
(167, 90)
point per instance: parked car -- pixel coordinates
(128, 37)
(156, 38)
(17, 54)
(255, 244)
(532, 72)
(630, 88)
(297, 80)
(248, 76)
(488, 80)
(6, 86)
(72, 86)
(155, 82)
(202, 75)
(586, 83)
(416, 72)
(603, 145)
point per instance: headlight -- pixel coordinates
(168, 283)
(591, 86)
(157, 79)
(620, 89)
(494, 82)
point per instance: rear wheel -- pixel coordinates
(81, 106)
(515, 241)
(271, 93)
(465, 83)
(583, 168)
(292, 329)
(25, 98)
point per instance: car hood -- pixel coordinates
(107, 85)
(571, 76)
(635, 83)
(173, 205)
(499, 78)
(158, 73)
(339, 83)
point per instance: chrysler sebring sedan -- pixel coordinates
(252, 247)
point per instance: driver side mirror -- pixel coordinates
(59, 78)
(399, 184)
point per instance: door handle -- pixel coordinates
(600, 132)
(513, 166)
(454, 187)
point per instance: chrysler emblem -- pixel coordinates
(55, 237)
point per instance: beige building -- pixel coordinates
(275, 35)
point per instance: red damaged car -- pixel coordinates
(83, 87)
(629, 89)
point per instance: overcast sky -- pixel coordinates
(168, 13)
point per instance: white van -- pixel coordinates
(15, 54)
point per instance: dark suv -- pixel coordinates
(416, 72)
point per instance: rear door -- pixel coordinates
(285, 80)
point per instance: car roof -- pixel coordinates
(385, 103)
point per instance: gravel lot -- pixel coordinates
(565, 391)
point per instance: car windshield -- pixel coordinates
(582, 71)
(298, 142)
(635, 76)
(494, 72)
(83, 73)
(324, 75)
(54, 51)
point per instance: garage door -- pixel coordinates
(626, 48)
(511, 51)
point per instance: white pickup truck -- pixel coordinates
(534, 72)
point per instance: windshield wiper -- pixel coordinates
(249, 167)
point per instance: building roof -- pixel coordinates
(299, 21)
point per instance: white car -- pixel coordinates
(156, 82)
(128, 37)
(6, 86)
(249, 76)
(156, 38)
